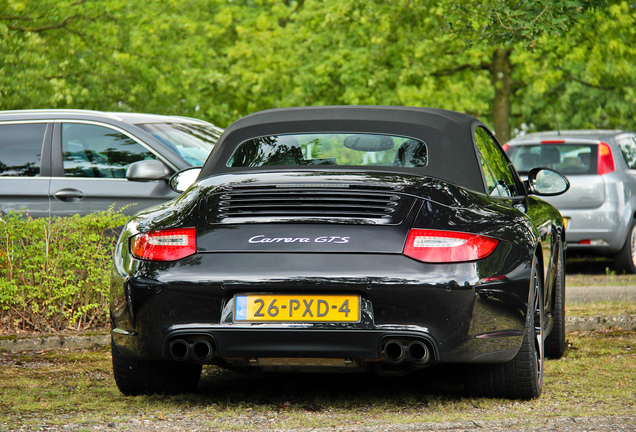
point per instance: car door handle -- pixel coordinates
(69, 195)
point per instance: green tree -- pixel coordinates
(492, 32)
(107, 54)
(443, 53)
(345, 52)
(505, 61)
(587, 82)
(49, 49)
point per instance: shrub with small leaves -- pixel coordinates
(55, 272)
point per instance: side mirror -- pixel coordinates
(148, 170)
(184, 179)
(546, 182)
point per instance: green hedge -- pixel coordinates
(55, 272)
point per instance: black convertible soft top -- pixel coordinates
(447, 134)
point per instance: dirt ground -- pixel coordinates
(560, 424)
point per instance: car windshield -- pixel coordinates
(330, 149)
(192, 141)
(565, 158)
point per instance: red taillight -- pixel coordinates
(447, 246)
(505, 147)
(605, 159)
(164, 245)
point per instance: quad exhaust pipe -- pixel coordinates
(416, 352)
(201, 350)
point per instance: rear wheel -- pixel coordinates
(521, 377)
(555, 342)
(626, 259)
(135, 377)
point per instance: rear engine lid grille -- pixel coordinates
(258, 204)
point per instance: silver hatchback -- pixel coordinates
(600, 206)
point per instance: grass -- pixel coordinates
(605, 308)
(581, 279)
(586, 270)
(50, 389)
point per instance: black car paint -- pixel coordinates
(159, 300)
(463, 312)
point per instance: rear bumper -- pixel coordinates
(605, 227)
(599, 209)
(229, 345)
(456, 310)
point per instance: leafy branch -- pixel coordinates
(41, 29)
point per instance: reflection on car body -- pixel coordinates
(379, 239)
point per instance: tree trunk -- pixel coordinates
(501, 77)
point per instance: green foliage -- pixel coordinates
(571, 60)
(55, 272)
(507, 22)
(53, 50)
(587, 82)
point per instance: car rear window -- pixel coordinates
(330, 149)
(565, 158)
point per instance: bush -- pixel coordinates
(55, 272)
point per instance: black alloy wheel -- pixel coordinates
(137, 377)
(521, 377)
(555, 342)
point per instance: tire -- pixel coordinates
(555, 342)
(521, 377)
(625, 259)
(136, 377)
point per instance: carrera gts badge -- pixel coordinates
(322, 239)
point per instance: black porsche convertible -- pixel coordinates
(348, 238)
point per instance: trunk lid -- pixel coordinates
(315, 212)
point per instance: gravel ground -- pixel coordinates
(560, 424)
(586, 294)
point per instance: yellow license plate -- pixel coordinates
(296, 308)
(566, 221)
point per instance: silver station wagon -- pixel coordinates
(600, 206)
(65, 162)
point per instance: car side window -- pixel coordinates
(499, 179)
(21, 149)
(97, 151)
